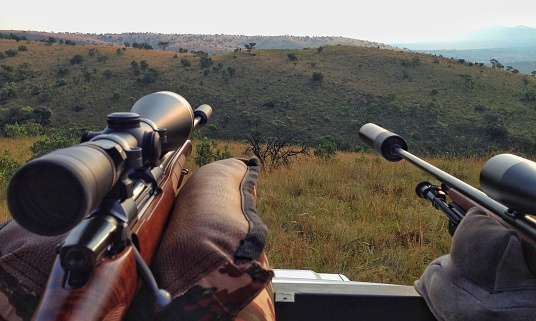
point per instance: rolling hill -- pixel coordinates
(314, 95)
(211, 44)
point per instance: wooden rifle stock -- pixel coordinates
(115, 281)
(464, 202)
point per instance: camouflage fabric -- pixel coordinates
(262, 308)
(211, 256)
(25, 262)
(226, 294)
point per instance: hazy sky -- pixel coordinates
(373, 20)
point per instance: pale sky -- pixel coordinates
(375, 20)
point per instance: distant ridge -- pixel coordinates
(485, 38)
(212, 44)
(512, 46)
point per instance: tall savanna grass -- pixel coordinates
(19, 150)
(356, 214)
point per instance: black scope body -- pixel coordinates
(53, 193)
(510, 180)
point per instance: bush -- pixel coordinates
(11, 52)
(292, 56)
(76, 59)
(60, 83)
(150, 76)
(27, 129)
(59, 138)
(63, 71)
(326, 151)
(108, 74)
(206, 62)
(8, 166)
(318, 76)
(206, 152)
(185, 62)
(92, 52)
(86, 73)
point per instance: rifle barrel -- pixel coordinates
(393, 148)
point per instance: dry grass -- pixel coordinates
(357, 214)
(19, 149)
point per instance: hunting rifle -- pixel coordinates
(508, 183)
(111, 195)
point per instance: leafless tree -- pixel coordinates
(273, 152)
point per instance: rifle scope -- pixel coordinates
(53, 193)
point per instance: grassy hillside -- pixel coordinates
(439, 105)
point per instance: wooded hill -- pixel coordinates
(211, 44)
(312, 96)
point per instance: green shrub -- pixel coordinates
(318, 76)
(59, 138)
(76, 59)
(27, 129)
(108, 74)
(150, 76)
(8, 166)
(63, 71)
(185, 62)
(207, 152)
(326, 151)
(11, 52)
(60, 82)
(92, 52)
(206, 62)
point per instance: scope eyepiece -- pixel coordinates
(510, 180)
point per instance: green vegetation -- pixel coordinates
(8, 166)
(326, 151)
(15, 151)
(441, 105)
(207, 152)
